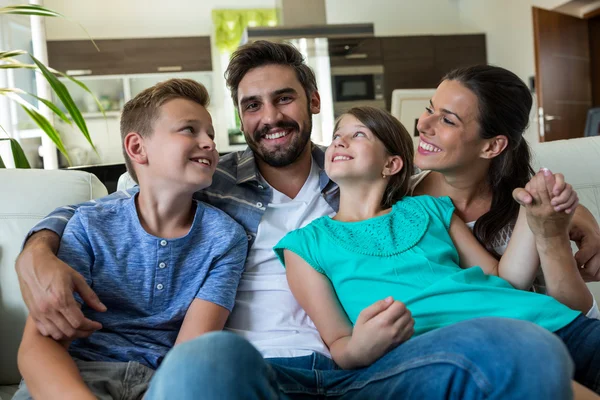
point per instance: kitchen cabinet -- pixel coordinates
(355, 52)
(419, 62)
(130, 56)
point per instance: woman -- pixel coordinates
(472, 149)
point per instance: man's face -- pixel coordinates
(276, 114)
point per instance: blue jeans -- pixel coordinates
(489, 358)
(582, 338)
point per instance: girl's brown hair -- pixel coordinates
(397, 142)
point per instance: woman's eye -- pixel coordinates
(359, 134)
(188, 129)
(335, 136)
(447, 121)
(429, 110)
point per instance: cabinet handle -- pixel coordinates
(355, 56)
(171, 68)
(77, 72)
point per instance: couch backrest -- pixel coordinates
(26, 197)
(579, 161)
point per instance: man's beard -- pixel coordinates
(283, 155)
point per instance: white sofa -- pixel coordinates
(29, 195)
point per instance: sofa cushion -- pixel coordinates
(28, 196)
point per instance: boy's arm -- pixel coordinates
(48, 369)
(47, 283)
(202, 317)
(379, 328)
(215, 299)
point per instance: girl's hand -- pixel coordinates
(380, 328)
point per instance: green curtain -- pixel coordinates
(230, 25)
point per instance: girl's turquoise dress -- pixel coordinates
(408, 254)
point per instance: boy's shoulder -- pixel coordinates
(112, 206)
(214, 218)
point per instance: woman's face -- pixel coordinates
(449, 130)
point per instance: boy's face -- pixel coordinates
(276, 114)
(181, 150)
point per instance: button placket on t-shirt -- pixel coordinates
(162, 273)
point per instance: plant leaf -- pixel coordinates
(17, 66)
(12, 94)
(2, 163)
(30, 9)
(45, 125)
(65, 97)
(11, 53)
(18, 154)
(35, 10)
(84, 87)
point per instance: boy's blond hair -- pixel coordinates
(140, 113)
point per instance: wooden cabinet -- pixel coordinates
(355, 52)
(419, 62)
(131, 56)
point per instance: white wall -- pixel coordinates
(508, 26)
(399, 17)
(106, 19)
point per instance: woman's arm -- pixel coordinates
(48, 369)
(379, 328)
(563, 280)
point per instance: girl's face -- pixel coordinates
(355, 153)
(449, 130)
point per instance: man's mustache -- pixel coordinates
(281, 124)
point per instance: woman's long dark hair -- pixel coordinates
(504, 107)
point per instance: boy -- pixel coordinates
(166, 266)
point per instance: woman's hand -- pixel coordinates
(549, 203)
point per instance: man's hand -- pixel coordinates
(380, 328)
(586, 235)
(47, 286)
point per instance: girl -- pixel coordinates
(416, 251)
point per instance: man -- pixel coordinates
(277, 185)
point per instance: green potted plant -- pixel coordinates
(72, 114)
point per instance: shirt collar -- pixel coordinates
(248, 172)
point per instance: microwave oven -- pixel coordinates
(357, 85)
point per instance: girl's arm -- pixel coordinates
(48, 369)
(379, 328)
(519, 262)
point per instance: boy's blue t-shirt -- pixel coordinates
(147, 283)
(409, 254)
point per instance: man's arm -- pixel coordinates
(47, 284)
(585, 232)
(48, 369)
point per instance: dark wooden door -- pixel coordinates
(562, 69)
